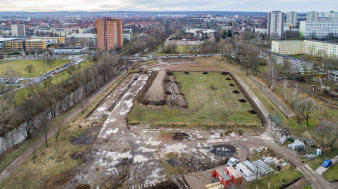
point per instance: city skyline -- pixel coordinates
(161, 5)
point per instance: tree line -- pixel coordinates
(47, 102)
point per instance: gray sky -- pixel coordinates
(168, 5)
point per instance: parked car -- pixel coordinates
(233, 161)
(327, 163)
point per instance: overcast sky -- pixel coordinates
(168, 5)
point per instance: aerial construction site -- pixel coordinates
(176, 124)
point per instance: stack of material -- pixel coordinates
(269, 161)
(263, 168)
(310, 156)
(297, 145)
(216, 185)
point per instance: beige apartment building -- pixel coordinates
(314, 48)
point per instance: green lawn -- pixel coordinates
(39, 67)
(332, 173)
(284, 177)
(206, 107)
(21, 94)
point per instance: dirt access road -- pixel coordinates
(26, 154)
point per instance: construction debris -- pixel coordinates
(263, 167)
(297, 145)
(310, 156)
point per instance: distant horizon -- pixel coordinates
(165, 5)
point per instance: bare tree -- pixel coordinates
(295, 91)
(48, 59)
(285, 87)
(58, 124)
(272, 74)
(44, 125)
(29, 69)
(304, 107)
(34, 153)
(327, 135)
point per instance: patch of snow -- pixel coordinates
(233, 134)
(153, 143)
(101, 109)
(144, 149)
(216, 135)
(178, 147)
(214, 140)
(140, 159)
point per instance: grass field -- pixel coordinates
(39, 67)
(277, 180)
(331, 174)
(206, 107)
(21, 94)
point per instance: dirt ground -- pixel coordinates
(141, 156)
(155, 94)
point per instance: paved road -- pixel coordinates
(320, 170)
(25, 155)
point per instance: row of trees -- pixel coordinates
(41, 103)
(147, 42)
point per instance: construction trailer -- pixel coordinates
(247, 170)
(222, 177)
(236, 178)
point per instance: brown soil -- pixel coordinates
(242, 100)
(175, 98)
(180, 136)
(155, 94)
(179, 60)
(192, 68)
(235, 91)
(58, 180)
(165, 184)
(83, 186)
(78, 155)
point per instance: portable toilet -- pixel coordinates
(319, 152)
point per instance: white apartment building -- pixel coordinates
(319, 29)
(291, 19)
(312, 16)
(288, 47)
(18, 30)
(314, 48)
(321, 49)
(275, 25)
(333, 75)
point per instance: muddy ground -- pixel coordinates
(143, 157)
(140, 157)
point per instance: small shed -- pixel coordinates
(222, 177)
(236, 178)
(247, 170)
